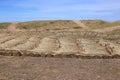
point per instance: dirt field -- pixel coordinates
(60, 50)
(32, 68)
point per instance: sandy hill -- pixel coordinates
(56, 25)
(61, 50)
(4, 25)
(94, 25)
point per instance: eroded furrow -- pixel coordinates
(91, 48)
(111, 47)
(67, 45)
(28, 45)
(59, 44)
(9, 37)
(46, 45)
(13, 42)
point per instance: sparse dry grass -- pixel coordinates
(4, 25)
(114, 32)
(61, 24)
(92, 47)
(99, 24)
(55, 25)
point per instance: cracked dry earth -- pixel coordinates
(30, 55)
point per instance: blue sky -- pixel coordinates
(28, 10)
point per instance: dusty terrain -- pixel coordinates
(60, 50)
(37, 68)
(81, 43)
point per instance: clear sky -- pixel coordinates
(28, 10)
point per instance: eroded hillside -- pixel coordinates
(60, 50)
(62, 38)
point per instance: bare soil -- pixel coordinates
(12, 27)
(109, 29)
(79, 23)
(33, 68)
(59, 50)
(71, 42)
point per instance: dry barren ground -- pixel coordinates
(32, 68)
(83, 43)
(59, 50)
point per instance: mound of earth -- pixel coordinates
(60, 50)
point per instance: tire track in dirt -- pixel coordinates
(79, 23)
